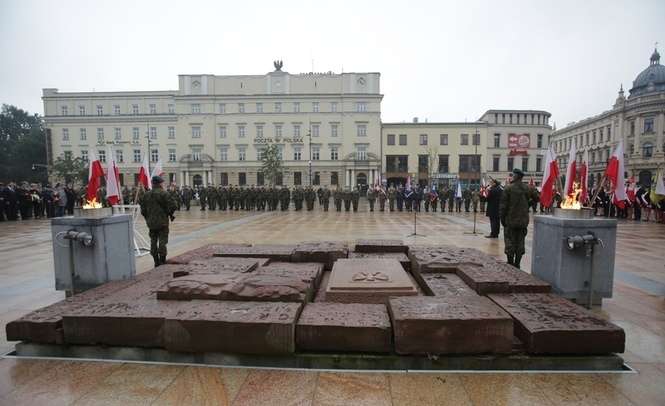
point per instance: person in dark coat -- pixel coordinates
(493, 210)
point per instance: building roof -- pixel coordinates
(651, 79)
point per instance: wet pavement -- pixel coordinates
(638, 306)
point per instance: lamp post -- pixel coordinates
(309, 135)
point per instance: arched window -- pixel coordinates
(647, 150)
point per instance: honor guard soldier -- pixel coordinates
(157, 207)
(515, 216)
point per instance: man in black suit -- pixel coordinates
(493, 210)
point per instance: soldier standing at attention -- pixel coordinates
(515, 216)
(355, 197)
(186, 197)
(157, 206)
(466, 195)
(475, 199)
(325, 198)
(337, 197)
(202, 197)
(382, 198)
(371, 198)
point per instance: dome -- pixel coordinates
(652, 79)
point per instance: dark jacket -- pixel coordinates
(494, 202)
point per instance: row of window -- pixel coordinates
(196, 152)
(117, 134)
(592, 137)
(520, 118)
(196, 132)
(134, 110)
(423, 139)
(467, 163)
(277, 107)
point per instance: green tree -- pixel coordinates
(71, 170)
(22, 144)
(271, 163)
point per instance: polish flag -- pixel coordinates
(144, 173)
(112, 179)
(630, 192)
(550, 175)
(157, 170)
(458, 194)
(571, 171)
(408, 183)
(584, 178)
(615, 173)
(95, 172)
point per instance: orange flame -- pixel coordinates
(92, 204)
(571, 201)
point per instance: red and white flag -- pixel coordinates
(95, 173)
(550, 175)
(157, 170)
(615, 173)
(584, 178)
(144, 173)
(571, 172)
(408, 183)
(112, 179)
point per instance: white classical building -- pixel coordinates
(638, 120)
(213, 129)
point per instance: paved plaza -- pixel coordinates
(638, 307)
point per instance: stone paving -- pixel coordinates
(637, 307)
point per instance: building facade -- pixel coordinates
(638, 121)
(443, 153)
(213, 129)
(327, 127)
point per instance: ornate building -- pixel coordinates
(213, 129)
(638, 120)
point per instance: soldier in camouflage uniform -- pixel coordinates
(285, 198)
(310, 198)
(157, 206)
(355, 198)
(202, 197)
(371, 198)
(175, 195)
(346, 195)
(337, 198)
(325, 198)
(187, 197)
(515, 216)
(211, 193)
(392, 195)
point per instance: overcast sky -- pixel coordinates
(439, 60)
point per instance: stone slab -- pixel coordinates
(444, 258)
(500, 278)
(233, 327)
(446, 284)
(321, 292)
(223, 264)
(308, 272)
(381, 245)
(133, 323)
(274, 252)
(204, 252)
(368, 281)
(450, 325)
(344, 327)
(399, 256)
(45, 325)
(253, 286)
(326, 252)
(549, 324)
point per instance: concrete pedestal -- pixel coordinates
(568, 270)
(110, 258)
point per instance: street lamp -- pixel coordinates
(309, 135)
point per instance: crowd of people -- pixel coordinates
(27, 201)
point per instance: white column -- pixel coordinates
(182, 178)
(205, 178)
(346, 178)
(353, 178)
(186, 178)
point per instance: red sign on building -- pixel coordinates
(519, 143)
